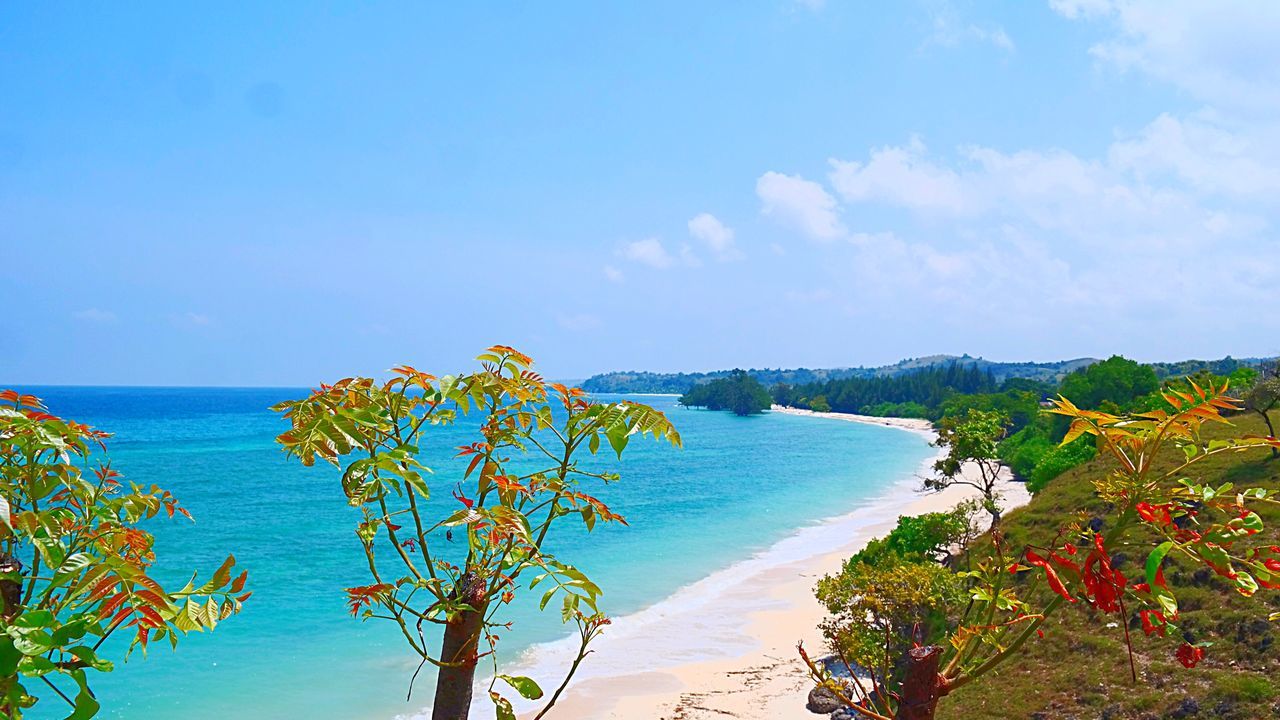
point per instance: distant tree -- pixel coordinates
(76, 565)
(971, 439)
(739, 393)
(1116, 380)
(1264, 397)
(819, 404)
(519, 479)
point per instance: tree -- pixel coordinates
(515, 483)
(971, 440)
(1117, 380)
(1214, 527)
(739, 393)
(75, 569)
(1264, 397)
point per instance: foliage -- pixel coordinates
(632, 381)
(1115, 380)
(1264, 396)
(1059, 459)
(920, 537)
(888, 606)
(971, 440)
(819, 404)
(1212, 526)
(902, 410)
(76, 565)
(739, 393)
(928, 387)
(1021, 407)
(374, 431)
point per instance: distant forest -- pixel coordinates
(1050, 372)
(632, 381)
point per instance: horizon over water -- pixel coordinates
(733, 495)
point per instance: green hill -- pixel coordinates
(1080, 669)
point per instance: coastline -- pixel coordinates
(655, 663)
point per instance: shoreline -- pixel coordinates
(645, 668)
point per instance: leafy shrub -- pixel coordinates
(1059, 460)
(920, 537)
(903, 410)
(739, 392)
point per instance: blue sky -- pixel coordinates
(285, 193)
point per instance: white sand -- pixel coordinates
(646, 672)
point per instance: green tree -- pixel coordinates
(1264, 397)
(971, 440)
(739, 393)
(1117, 380)
(1216, 528)
(819, 404)
(518, 480)
(75, 569)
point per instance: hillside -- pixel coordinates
(632, 381)
(1080, 668)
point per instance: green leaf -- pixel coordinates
(527, 688)
(86, 706)
(87, 656)
(619, 435)
(502, 706)
(1155, 559)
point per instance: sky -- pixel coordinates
(288, 193)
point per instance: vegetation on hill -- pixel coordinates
(1080, 668)
(739, 392)
(913, 394)
(649, 382)
(1136, 586)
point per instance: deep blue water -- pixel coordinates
(738, 486)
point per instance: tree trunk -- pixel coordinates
(461, 642)
(1271, 431)
(920, 689)
(10, 589)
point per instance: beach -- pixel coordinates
(754, 614)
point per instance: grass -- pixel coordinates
(1080, 669)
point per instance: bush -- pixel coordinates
(919, 538)
(1059, 460)
(904, 410)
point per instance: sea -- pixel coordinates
(743, 493)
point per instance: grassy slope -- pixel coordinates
(1080, 669)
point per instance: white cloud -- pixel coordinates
(579, 322)
(648, 252)
(1204, 155)
(802, 204)
(1081, 8)
(613, 274)
(901, 176)
(96, 315)
(718, 236)
(189, 320)
(950, 30)
(688, 257)
(1222, 53)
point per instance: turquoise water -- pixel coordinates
(738, 486)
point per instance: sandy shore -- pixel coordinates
(762, 679)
